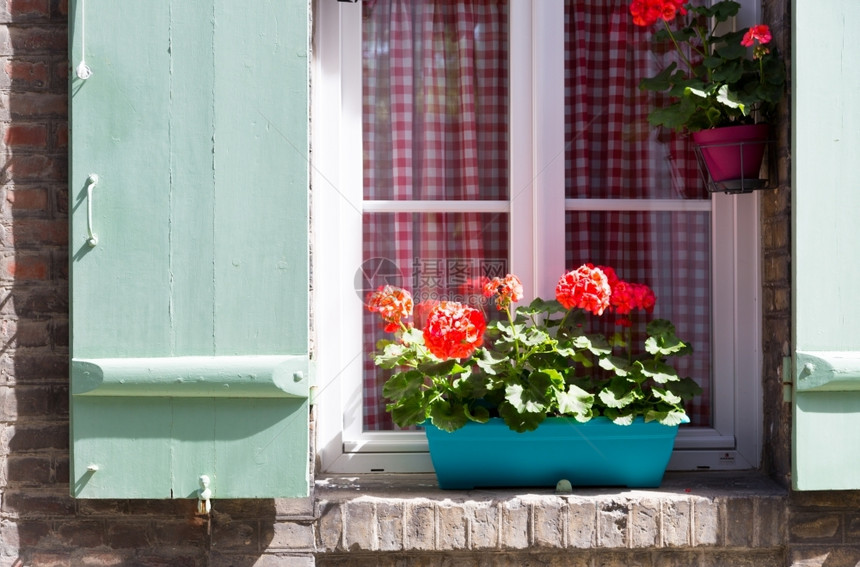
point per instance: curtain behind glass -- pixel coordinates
(613, 153)
(435, 128)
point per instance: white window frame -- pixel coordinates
(537, 190)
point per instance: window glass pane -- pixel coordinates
(670, 253)
(436, 256)
(612, 150)
(435, 79)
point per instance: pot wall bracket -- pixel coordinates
(768, 174)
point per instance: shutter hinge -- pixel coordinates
(787, 381)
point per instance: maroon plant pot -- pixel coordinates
(733, 152)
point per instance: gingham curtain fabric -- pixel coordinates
(612, 152)
(435, 128)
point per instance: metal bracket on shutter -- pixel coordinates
(92, 237)
(834, 371)
(264, 376)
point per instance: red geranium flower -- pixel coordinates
(454, 330)
(760, 33)
(509, 289)
(586, 287)
(647, 12)
(392, 303)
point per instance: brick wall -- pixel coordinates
(776, 272)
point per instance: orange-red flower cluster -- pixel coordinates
(508, 289)
(627, 297)
(454, 330)
(392, 303)
(760, 34)
(647, 12)
(586, 287)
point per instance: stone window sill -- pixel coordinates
(408, 513)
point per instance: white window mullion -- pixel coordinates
(521, 145)
(549, 155)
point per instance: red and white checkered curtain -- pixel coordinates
(612, 152)
(435, 128)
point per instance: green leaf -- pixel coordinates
(661, 81)
(616, 364)
(662, 339)
(520, 421)
(448, 416)
(408, 411)
(673, 417)
(479, 414)
(686, 388)
(445, 368)
(618, 418)
(488, 364)
(576, 402)
(618, 394)
(403, 385)
(666, 396)
(659, 371)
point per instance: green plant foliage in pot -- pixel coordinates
(715, 79)
(536, 361)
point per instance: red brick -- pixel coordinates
(26, 136)
(61, 470)
(24, 74)
(191, 531)
(129, 535)
(38, 302)
(27, 200)
(27, 471)
(82, 533)
(20, 10)
(59, 333)
(37, 39)
(24, 267)
(37, 503)
(25, 533)
(60, 9)
(23, 167)
(61, 136)
(36, 366)
(31, 334)
(105, 559)
(27, 401)
(31, 105)
(26, 437)
(46, 559)
(39, 232)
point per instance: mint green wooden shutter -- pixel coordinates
(190, 313)
(826, 209)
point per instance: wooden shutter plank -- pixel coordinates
(261, 129)
(190, 316)
(826, 259)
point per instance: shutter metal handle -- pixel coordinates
(93, 238)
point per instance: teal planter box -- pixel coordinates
(596, 453)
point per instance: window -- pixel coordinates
(535, 200)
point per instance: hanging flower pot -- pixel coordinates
(733, 152)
